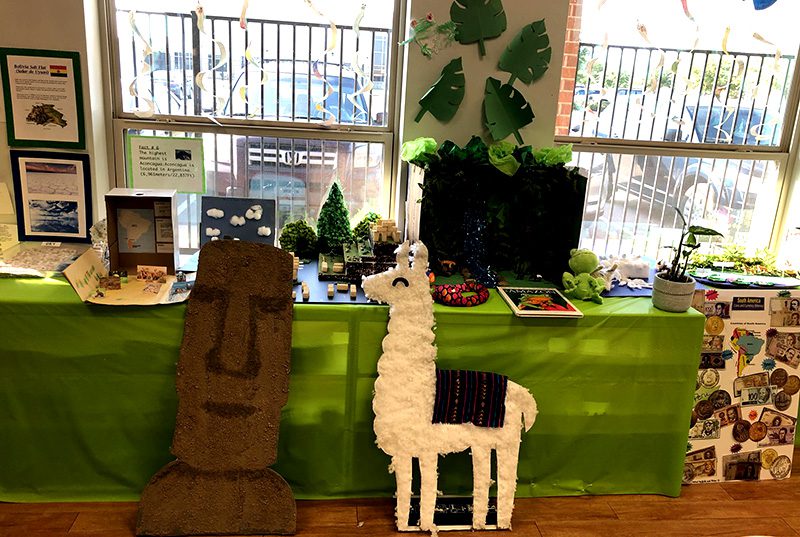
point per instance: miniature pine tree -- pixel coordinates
(333, 224)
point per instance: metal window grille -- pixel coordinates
(270, 145)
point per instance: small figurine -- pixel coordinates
(353, 291)
(306, 291)
(180, 276)
(341, 287)
(330, 291)
(583, 286)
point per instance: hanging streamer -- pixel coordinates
(725, 37)
(145, 70)
(320, 105)
(360, 75)
(223, 59)
(248, 54)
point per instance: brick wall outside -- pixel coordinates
(569, 67)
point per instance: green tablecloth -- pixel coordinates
(87, 395)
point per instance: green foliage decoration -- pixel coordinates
(533, 216)
(477, 20)
(361, 231)
(444, 97)
(527, 56)
(299, 237)
(506, 110)
(333, 223)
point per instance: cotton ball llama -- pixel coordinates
(414, 418)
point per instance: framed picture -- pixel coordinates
(43, 98)
(53, 195)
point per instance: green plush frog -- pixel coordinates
(583, 286)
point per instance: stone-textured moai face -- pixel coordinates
(233, 373)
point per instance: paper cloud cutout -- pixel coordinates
(254, 212)
(215, 213)
(264, 231)
(237, 220)
(214, 238)
(212, 232)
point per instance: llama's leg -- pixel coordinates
(481, 478)
(401, 465)
(507, 459)
(427, 497)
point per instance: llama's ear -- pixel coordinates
(401, 255)
(420, 256)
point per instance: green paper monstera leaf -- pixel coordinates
(527, 56)
(445, 96)
(477, 20)
(506, 110)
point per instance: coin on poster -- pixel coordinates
(792, 385)
(768, 456)
(781, 467)
(758, 431)
(704, 409)
(782, 401)
(741, 431)
(778, 377)
(720, 399)
(714, 325)
(709, 378)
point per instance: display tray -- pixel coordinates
(742, 281)
(318, 290)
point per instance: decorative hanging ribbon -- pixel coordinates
(320, 105)
(367, 86)
(223, 59)
(248, 54)
(145, 70)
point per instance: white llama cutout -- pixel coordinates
(404, 401)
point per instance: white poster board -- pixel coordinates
(166, 162)
(745, 413)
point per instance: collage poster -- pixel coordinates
(745, 406)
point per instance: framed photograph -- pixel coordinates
(53, 196)
(538, 302)
(43, 98)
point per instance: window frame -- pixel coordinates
(385, 134)
(784, 153)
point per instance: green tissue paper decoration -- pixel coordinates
(553, 156)
(333, 223)
(477, 20)
(299, 237)
(527, 56)
(506, 110)
(414, 149)
(361, 231)
(445, 96)
(501, 155)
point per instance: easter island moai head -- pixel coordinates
(233, 373)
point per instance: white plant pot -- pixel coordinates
(673, 296)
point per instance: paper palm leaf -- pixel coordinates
(445, 96)
(527, 56)
(506, 110)
(477, 20)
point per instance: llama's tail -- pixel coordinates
(528, 406)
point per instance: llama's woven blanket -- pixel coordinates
(470, 397)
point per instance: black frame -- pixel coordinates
(20, 197)
(13, 141)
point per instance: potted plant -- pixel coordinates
(673, 288)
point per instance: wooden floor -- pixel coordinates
(736, 509)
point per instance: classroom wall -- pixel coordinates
(541, 94)
(59, 25)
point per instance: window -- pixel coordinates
(287, 105)
(678, 105)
